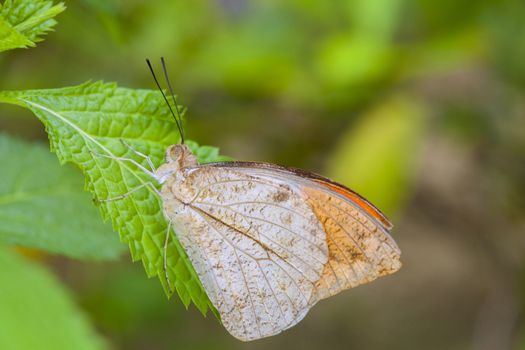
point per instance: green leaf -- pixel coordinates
(91, 119)
(206, 154)
(23, 22)
(377, 157)
(37, 312)
(42, 205)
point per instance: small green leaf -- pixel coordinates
(376, 157)
(42, 205)
(23, 22)
(206, 154)
(86, 121)
(37, 312)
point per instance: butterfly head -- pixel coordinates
(181, 155)
(177, 157)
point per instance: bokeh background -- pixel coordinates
(417, 105)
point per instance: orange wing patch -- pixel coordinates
(360, 201)
(359, 248)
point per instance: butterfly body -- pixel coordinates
(269, 242)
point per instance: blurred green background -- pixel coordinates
(417, 105)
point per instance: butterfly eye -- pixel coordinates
(174, 153)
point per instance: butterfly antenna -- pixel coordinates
(172, 96)
(167, 102)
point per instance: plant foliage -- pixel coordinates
(43, 206)
(37, 312)
(90, 121)
(23, 22)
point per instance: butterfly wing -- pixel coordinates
(360, 248)
(255, 242)
(357, 234)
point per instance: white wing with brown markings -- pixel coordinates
(269, 242)
(357, 234)
(255, 242)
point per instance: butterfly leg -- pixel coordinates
(122, 196)
(166, 240)
(140, 154)
(132, 161)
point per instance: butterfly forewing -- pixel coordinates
(256, 243)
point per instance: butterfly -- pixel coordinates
(268, 242)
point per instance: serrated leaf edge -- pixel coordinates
(109, 153)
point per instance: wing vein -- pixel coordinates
(270, 255)
(277, 243)
(273, 291)
(349, 235)
(387, 236)
(211, 184)
(266, 221)
(242, 271)
(264, 246)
